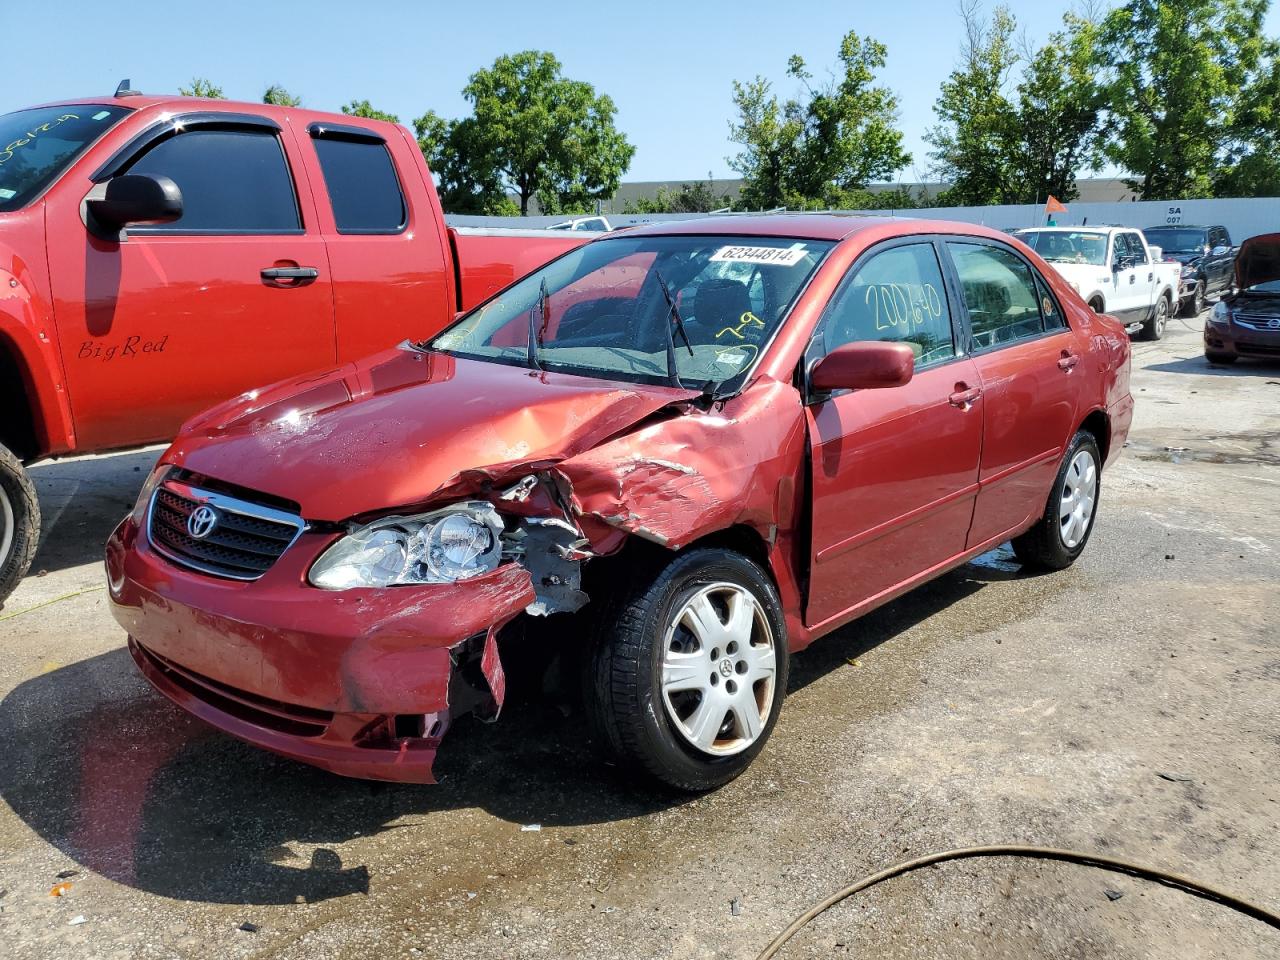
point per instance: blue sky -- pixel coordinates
(669, 66)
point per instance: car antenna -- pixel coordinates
(125, 89)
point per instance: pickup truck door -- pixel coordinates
(172, 318)
(893, 472)
(1129, 297)
(1221, 260)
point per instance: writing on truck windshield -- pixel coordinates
(694, 311)
(1067, 246)
(37, 145)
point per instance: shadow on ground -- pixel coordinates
(112, 774)
(1241, 368)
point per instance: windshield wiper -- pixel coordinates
(673, 313)
(536, 329)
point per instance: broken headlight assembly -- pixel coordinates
(444, 546)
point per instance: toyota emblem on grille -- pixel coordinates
(202, 522)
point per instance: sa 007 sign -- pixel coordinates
(1173, 215)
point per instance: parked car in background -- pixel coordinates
(159, 254)
(584, 225)
(699, 446)
(1207, 259)
(1114, 270)
(1247, 323)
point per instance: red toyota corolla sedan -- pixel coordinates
(693, 448)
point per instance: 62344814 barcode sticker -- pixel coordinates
(780, 256)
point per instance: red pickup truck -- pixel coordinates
(160, 254)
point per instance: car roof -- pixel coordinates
(811, 226)
(177, 102)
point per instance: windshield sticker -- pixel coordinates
(7, 194)
(777, 256)
(102, 114)
(735, 357)
(7, 153)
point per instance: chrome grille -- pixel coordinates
(242, 539)
(1269, 324)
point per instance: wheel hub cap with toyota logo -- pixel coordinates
(202, 522)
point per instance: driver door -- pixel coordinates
(893, 472)
(1129, 296)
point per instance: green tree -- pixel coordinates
(1250, 166)
(1059, 114)
(812, 152)
(281, 97)
(200, 87)
(363, 108)
(973, 142)
(532, 133)
(1176, 69)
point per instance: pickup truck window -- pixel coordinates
(896, 296)
(37, 145)
(232, 182)
(1000, 293)
(1067, 246)
(609, 309)
(362, 185)
(1186, 240)
(1131, 246)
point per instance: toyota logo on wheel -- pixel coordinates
(202, 522)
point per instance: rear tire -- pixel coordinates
(19, 523)
(677, 696)
(1060, 535)
(1153, 329)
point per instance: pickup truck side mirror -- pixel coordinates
(1220, 251)
(137, 199)
(863, 366)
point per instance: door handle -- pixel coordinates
(1151, 276)
(301, 274)
(964, 396)
(1133, 277)
(1068, 361)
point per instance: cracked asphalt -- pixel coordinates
(1127, 706)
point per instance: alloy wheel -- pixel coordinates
(1197, 302)
(1077, 499)
(6, 526)
(1162, 317)
(719, 668)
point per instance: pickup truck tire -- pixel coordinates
(1195, 303)
(19, 523)
(1153, 328)
(1060, 535)
(688, 670)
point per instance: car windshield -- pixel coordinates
(1067, 246)
(37, 145)
(694, 311)
(1177, 241)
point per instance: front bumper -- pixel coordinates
(1234, 339)
(356, 682)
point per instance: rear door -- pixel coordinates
(893, 471)
(1026, 359)
(383, 234)
(1221, 261)
(175, 317)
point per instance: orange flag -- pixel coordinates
(1055, 205)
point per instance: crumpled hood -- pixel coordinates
(1258, 260)
(397, 427)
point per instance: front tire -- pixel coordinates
(688, 671)
(1061, 533)
(1195, 305)
(19, 523)
(1224, 358)
(1153, 329)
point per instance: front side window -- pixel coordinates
(362, 185)
(999, 292)
(605, 309)
(232, 182)
(1133, 246)
(37, 145)
(897, 296)
(1067, 246)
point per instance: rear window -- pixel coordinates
(362, 185)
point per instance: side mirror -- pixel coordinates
(137, 199)
(1156, 253)
(1220, 251)
(863, 366)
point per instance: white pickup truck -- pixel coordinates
(1115, 270)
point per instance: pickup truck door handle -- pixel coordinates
(964, 396)
(301, 274)
(1068, 361)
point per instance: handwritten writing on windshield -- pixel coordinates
(33, 134)
(899, 305)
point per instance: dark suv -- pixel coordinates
(1207, 258)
